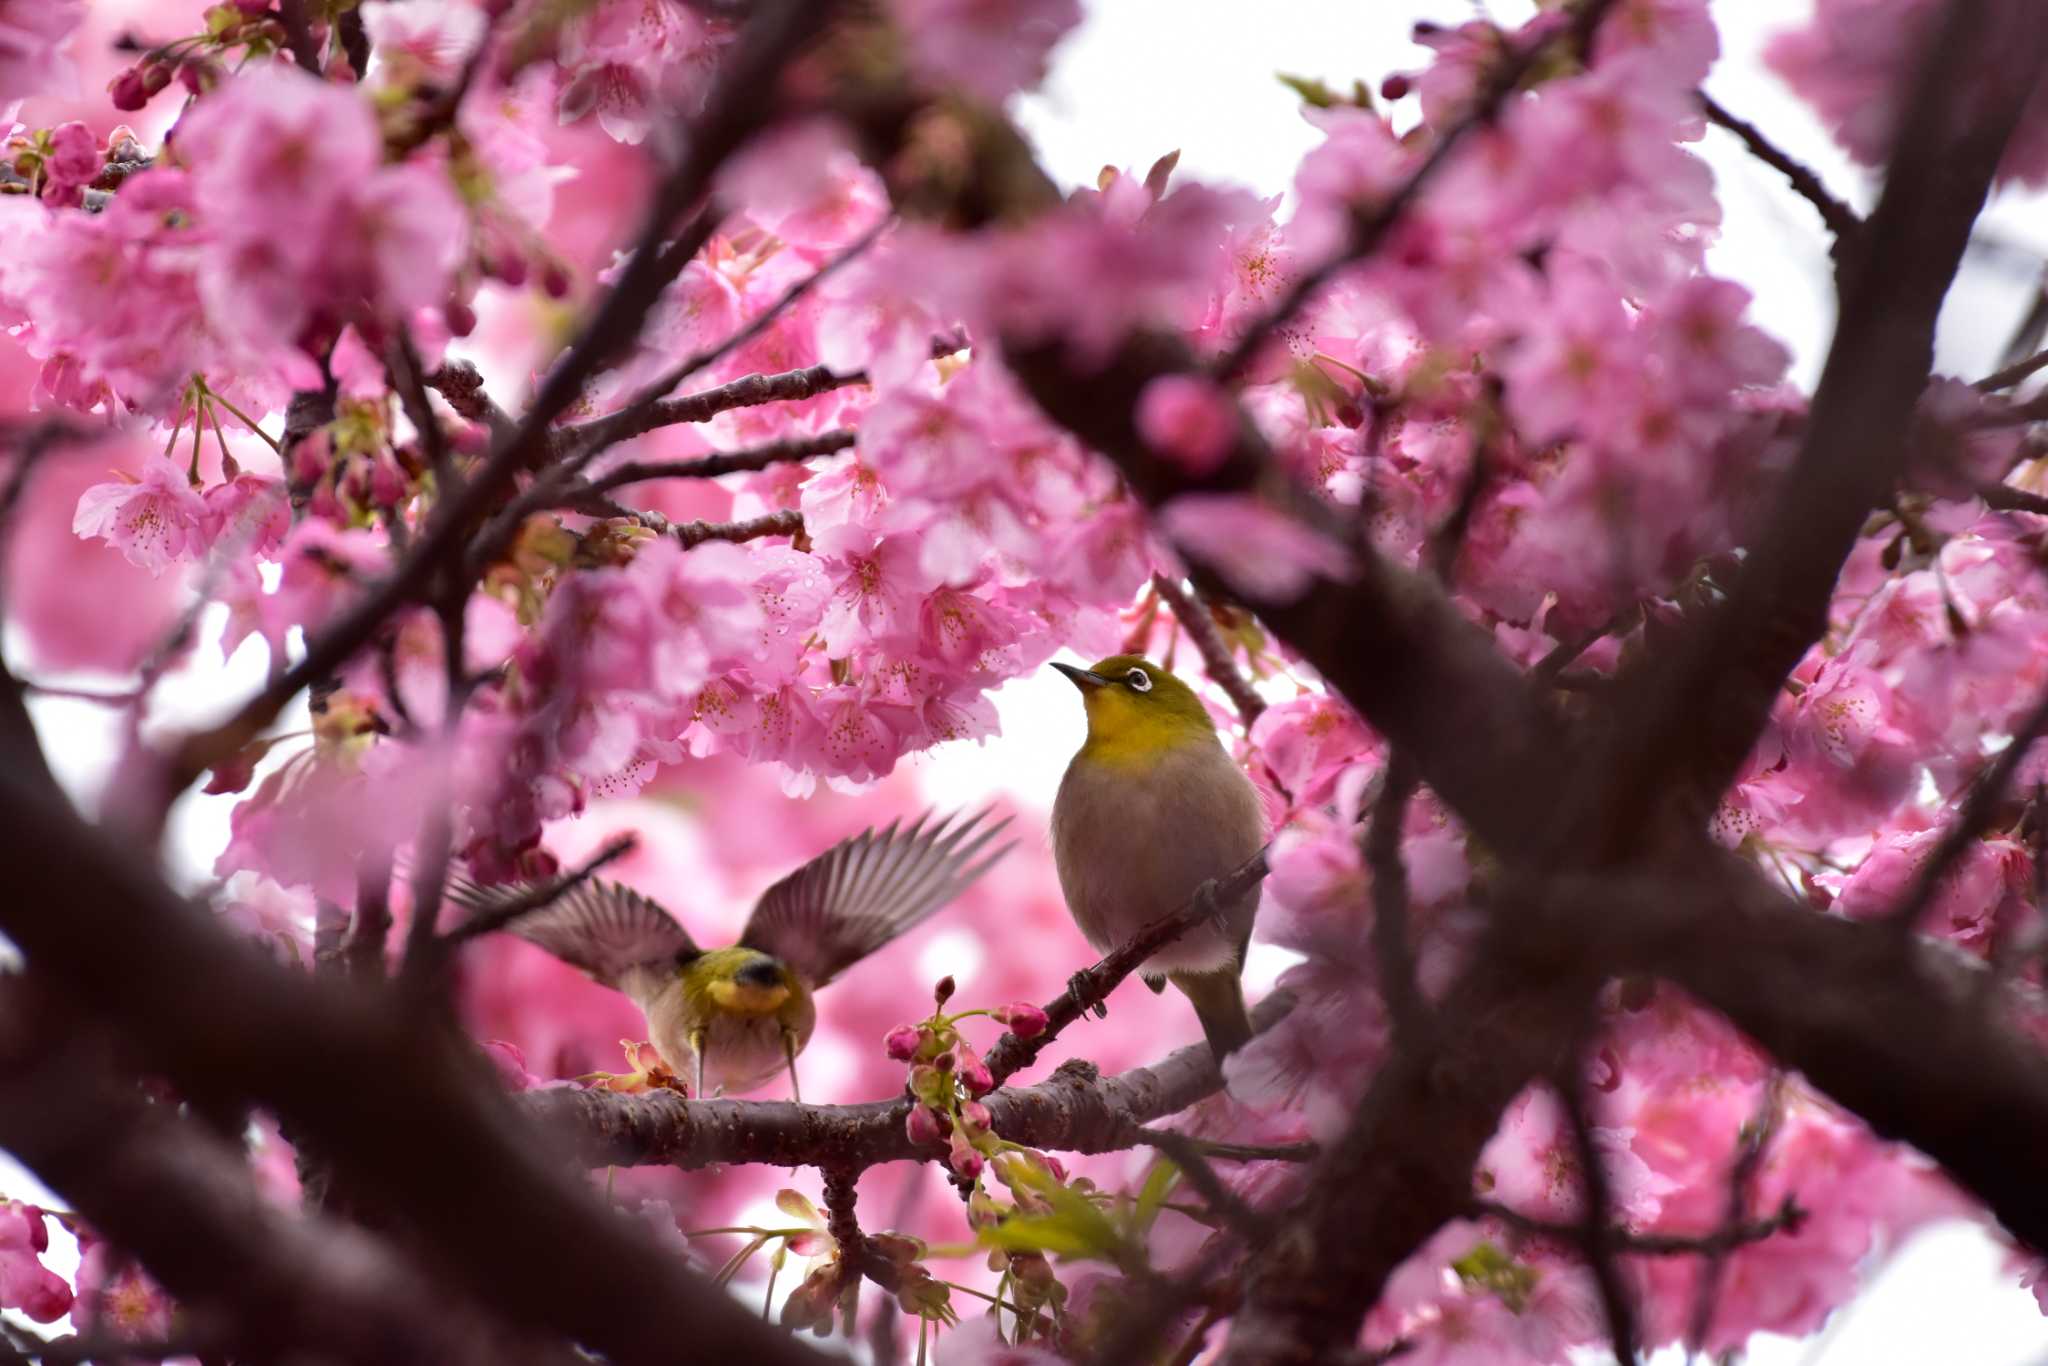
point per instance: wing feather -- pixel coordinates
(601, 927)
(865, 891)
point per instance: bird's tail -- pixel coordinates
(1218, 998)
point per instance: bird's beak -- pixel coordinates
(1084, 679)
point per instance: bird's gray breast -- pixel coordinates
(1132, 844)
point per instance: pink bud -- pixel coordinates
(1188, 420)
(460, 317)
(943, 992)
(155, 77)
(974, 1073)
(963, 1158)
(555, 281)
(925, 1125)
(975, 1116)
(127, 91)
(902, 1041)
(1025, 1020)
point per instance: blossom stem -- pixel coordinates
(243, 418)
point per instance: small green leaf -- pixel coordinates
(1159, 1183)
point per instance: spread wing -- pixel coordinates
(863, 892)
(601, 927)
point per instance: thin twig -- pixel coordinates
(538, 898)
(1841, 220)
(1756, 1142)
(723, 462)
(1088, 987)
(1595, 1227)
(2006, 498)
(1186, 1153)
(1221, 665)
(1619, 1238)
(2012, 374)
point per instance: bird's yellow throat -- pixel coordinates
(1133, 731)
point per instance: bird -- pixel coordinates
(1150, 810)
(743, 1013)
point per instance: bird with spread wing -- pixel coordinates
(741, 1014)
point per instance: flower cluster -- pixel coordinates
(948, 1078)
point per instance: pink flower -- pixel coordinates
(33, 34)
(249, 515)
(73, 162)
(421, 42)
(902, 1042)
(117, 1297)
(1025, 1020)
(1266, 555)
(706, 619)
(1188, 420)
(25, 1283)
(510, 1064)
(876, 591)
(989, 48)
(153, 520)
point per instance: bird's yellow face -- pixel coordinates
(739, 981)
(1137, 710)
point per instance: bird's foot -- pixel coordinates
(1081, 986)
(1203, 905)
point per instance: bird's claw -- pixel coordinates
(1081, 986)
(1204, 904)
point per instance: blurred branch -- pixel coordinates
(546, 894)
(1723, 1239)
(1841, 220)
(1221, 665)
(1754, 1143)
(1596, 1229)
(2018, 372)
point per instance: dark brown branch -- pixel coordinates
(224, 1023)
(2016, 373)
(1077, 1109)
(724, 462)
(2006, 498)
(1186, 1153)
(1595, 1229)
(1755, 1143)
(1373, 225)
(462, 385)
(1217, 660)
(748, 391)
(788, 522)
(1726, 1238)
(164, 1190)
(546, 894)
(1091, 985)
(1840, 219)
(1691, 720)
(298, 34)
(363, 951)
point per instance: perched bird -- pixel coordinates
(1152, 807)
(744, 1013)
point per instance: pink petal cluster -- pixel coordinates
(25, 1283)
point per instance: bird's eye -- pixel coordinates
(1139, 680)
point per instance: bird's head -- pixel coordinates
(742, 980)
(1137, 709)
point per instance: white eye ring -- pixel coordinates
(1139, 680)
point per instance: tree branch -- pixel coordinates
(1217, 660)
(1077, 1109)
(1841, 220)
(724, 462)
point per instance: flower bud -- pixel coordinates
(902, 1041)
(925, 1126)
(962, 1156)
(155, 77)
(1025, 1020)
(127, 90)
(974, 1073)
(460, 317)
(555, 281)
(943, 992)
(974, 1117)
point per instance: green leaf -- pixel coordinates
(1159, 1183)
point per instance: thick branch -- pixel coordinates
(1692, 719)
(1075, 1110)
(225, 1023)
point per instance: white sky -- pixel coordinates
(1143, 77)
